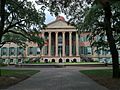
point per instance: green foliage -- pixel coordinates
(86, 16)
(15, 38)
(38, 40)
(20, 19)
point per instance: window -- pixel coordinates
(73, 50)
(19, 50)
(30, 50)
(85, 50)
(38, 50)
(11, 60)
(34, 51)
(4, 51)
(3, 60)
(19, 60)
(83, 39)
(60, 39)
(60, 50)
(46, 50)
(12, 50)
(67, 50)
(89, 50)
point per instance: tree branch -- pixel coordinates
(19, 34)
(14, 41)
(13, 25)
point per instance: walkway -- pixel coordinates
(58, 79)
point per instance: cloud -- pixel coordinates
(49, 17)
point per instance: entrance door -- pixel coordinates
(60, 60)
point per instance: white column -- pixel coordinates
(63, 42)
(56, 43)
(42, 50)
(70, 43)
(77, 45)
(49, 47)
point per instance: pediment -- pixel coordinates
(59, 24)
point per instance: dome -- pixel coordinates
(60, 18)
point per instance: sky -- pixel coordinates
(49, 17)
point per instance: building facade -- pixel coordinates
(62, 44)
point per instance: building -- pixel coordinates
(62, 44)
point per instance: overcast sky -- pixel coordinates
(49, 17)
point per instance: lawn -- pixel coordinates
(11, 77)
(83, 63)
(103, 77)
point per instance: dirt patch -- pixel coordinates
(6, 82)
(108, 82)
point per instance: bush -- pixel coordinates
(86, 59)
(2, 64)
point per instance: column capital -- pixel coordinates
(56, 32)
(49, 32)
(63, 32)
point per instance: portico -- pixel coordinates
(61, 42)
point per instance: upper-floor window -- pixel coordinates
(83, 39)
(60, 39)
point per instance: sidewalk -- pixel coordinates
(58, 79)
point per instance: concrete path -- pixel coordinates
(58, 79)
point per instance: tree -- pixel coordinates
(107, 26)
(19, 20)
(20, 17)
(80, 13)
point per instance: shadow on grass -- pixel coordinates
(103, 77)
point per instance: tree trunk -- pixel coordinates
(2, 17)
(111, 40)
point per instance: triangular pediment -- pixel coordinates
(59, 24)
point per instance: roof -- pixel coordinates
(59, 23)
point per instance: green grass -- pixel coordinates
(18, 73)
(11, 77)
(82, 63)
(98, 73)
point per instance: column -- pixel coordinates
(77, 45)
(70, 43)
(49, 47)
(63, 42)
(42, 50)
(56, 43)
